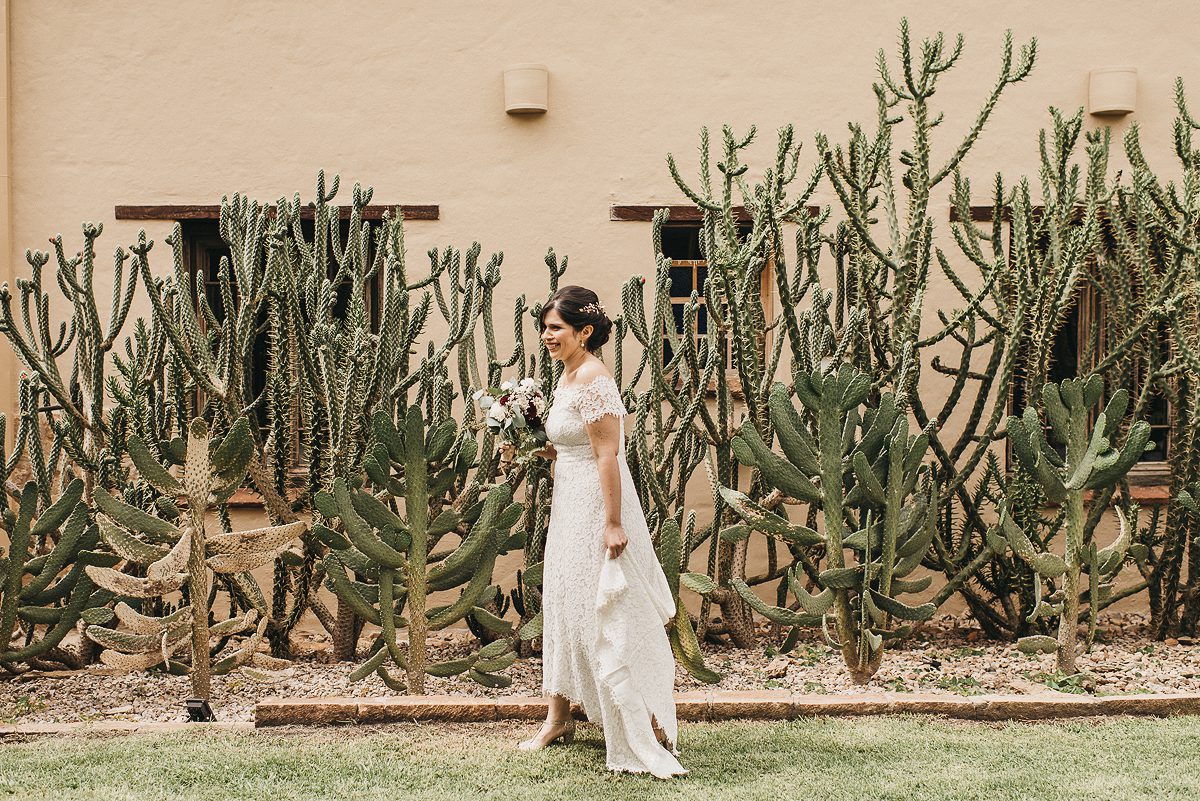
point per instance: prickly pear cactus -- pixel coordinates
(44, 591)
(861, 467)
(50, 538)
(174, 552)
(394, 561)
(1080, 481)
(680, 631)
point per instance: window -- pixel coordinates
(689, 271)
(1078, 346)
(203, 251)
(1071, 355)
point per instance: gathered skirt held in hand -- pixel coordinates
(604, 645)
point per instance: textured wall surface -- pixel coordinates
(176, 102)
(182, 102)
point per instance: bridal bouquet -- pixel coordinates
(516, 412)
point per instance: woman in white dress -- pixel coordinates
(605, 599)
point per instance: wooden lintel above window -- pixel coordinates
(984, 213)
(981, 214)
(682, 213)
(191, 212)
(678, 213)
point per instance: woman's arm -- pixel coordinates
(605, 436)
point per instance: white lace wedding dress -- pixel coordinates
(603, 642)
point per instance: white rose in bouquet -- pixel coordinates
(516, 411)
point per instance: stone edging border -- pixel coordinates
(696, 706)
(121, 727)
(734, 705)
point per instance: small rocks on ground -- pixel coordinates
(948, 655)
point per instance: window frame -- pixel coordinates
(688, 215)
(201, 236)
(1149, 480)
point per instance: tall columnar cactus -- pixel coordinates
(343, 326)
(91, 431)
(393, 559)
(1091, 463)
(675, 430)
(887, 254)
(1028, 279)
(1146, 261)
(178, 552)
(859, 465)
(536, 476)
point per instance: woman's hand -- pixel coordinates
(614, 540)
(508, 452)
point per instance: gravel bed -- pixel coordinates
(948, 655)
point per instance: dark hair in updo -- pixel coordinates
(579, 307)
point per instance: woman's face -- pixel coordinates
(560, 338)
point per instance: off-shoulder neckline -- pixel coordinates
(602, 377)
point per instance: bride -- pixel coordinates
(605, 599)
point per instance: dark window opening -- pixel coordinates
(1073, 354)
(203, 250)
(689, 273)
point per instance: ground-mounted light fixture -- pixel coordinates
(1112, 91)
(526, 89)
(199, 711)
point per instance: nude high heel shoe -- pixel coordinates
(566, 734)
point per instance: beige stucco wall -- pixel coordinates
(8, 360)
(181, 102)
(178, 102)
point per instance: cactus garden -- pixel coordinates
(274, 479)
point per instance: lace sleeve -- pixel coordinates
(597, 398)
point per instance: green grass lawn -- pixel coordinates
(915, 759)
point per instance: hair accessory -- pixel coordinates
(593, 308)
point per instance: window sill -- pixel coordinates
(1151, 494)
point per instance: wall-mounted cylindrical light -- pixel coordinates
(526, 88)
(1112, 90)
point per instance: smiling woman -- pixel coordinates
(574, 315)
(605, 598)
